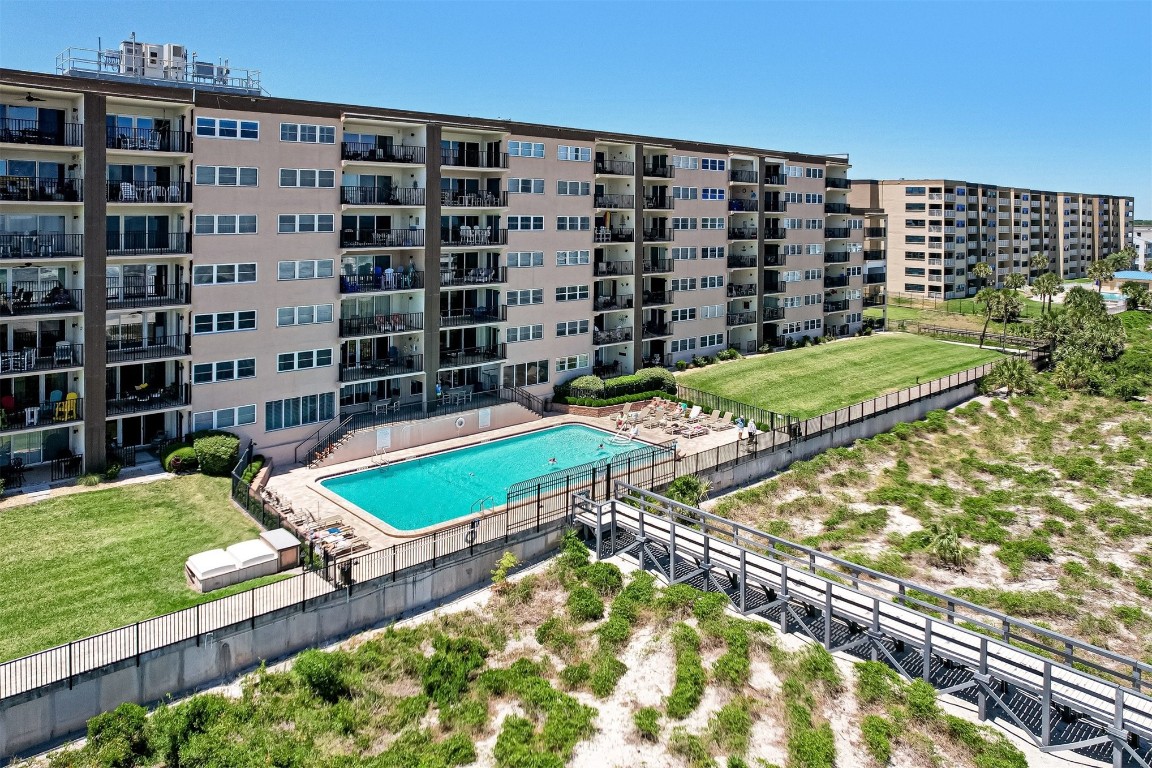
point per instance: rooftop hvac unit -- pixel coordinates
(131, 58)
(153, 60)
(175, 61)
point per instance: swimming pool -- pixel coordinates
(412, 495)
(1112, 296)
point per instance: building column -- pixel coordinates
(432, 242)
(638, 257)
(95, 279)
(761, 222)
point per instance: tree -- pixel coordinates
(945, 547)
(1047, 286)
(1013, 373)
(1010, 307)
(1084, 302)
(1122, 259)
(981, 270)
(1015, 281)
(1100, 271)
(1036, 262)
(1136, 293)
(986, 300)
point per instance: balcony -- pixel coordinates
(54, 301)
(738, 290)
(362, 150)
(16, 131)
(65, 354)
(473, 158)
(461, 237)
(354, 326)
(129, 348)
(657, 298)
(660, 171)
(835, 281)
(139, 296)
(837, 208)
(149, 140)
(382, 196)
(775, 180)
(775, 286)
(741, 260)
(832, 183)
(616, 167)
(458, 358)
(837, 257)
(654, 330)
(480, 199)
(472, 277)
(382, 238)
(387, 280)
(771, 314)
(875, 300)
(149, 243)
(740, 318)
(612, 303)
(837, 233)
(659, 203)
(775, 260)
(743, 177)
(618, 202)
(618, 336)
(741, 233)
(26, 414)
(614, 268)
(148, 192)
(875, 278)
(743, 204)
(393, 365)
(657, 234)
(835, 306)
(775, 206)
(656, 266)
(772, 233)
(875, 255)
(474, 316)
(614, 235)
(149, 399)
(874, 232)
(41, 189)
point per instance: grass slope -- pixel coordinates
(90, 562)
(806, 382)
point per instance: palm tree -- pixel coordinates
(945, 547)
(1010, 307)
(987, 299)
(1136, 293)
(1122, 259)
(1036, 261)
(981, 270)
(1099, 271)
(1015, 281)
(1014, 373)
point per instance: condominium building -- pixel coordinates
(217, 258)
(939, 228)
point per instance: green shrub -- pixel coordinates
(878, 732)
(690, 678)
(181, 459)
(691, 748)
(322, 673)
(647, 721)
(585, 605)
(728, 354)
(606, 672)
(576, 675)
(573, 557)
(470, 713)
(710, 606)
(731, 726)
(446, 673)
(920, 697)
(646, 380)
(90, 479)
(217, 454)
(603, 577)
(876, 682)
(681, 365)
(252, 469)
(688, 489)
(119, 739)
(174, 726)
(1016, 552)
(112, 471)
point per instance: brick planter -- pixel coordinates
(597, 412)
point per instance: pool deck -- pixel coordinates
(298, 486)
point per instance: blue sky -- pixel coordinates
(1054, 95)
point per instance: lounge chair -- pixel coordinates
(695, 414)
(693, 430)
(724, 422)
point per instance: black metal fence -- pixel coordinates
(766, 420)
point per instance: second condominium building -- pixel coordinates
(937, 229)
(177, 258)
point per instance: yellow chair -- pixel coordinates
(66, 411)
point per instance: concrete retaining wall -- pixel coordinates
(49, 715)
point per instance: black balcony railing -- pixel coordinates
(29, 300)
(659, 203)
(660, 171)
(777, 180)
(473, 158)
(740, 318)
(653, 329)
(396, 364)
(41, 189)
(40, 245)
(142, 296)
(774, 313)
(400, 153)
(16, 131)
(64, 354)
(458, 237)
(743, 204)
(471, 276)
(149, 399)
(741, 260)
(836, 257)
(875, 278)
(382, 238)
(614, 235)
(381, 324)
(615, 201)
(837, 208)
(736, 290)
(149, 243)
(456, 358)
(480, 199)
(874, 300)
(473, 316)
(771, 233)
(614, 268)
(835, 281)
(836, 306)
(743, 177)
(775, 206)
(657, 234)
(138, 348)
(654, 266)
(149, 192)
(29, 413)
(387, 280)
(775, 260)
(741, 233)
(617, 336)
(656, 298)
(834, 183)
(616, 167)
(837, 233)
(875, 255)
(382, 195)
(610, 303)
(874, 232)
(149, 139)
(775, 286)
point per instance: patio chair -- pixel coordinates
(128, 192)
(724, 422)
(66, 410)
(174, 194)
(694, 415)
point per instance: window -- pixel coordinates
(683, 254)
(573, 223)
(525, 149)
(684, 193)
(526, 296)
(712, 310)
(792, 223)
(712, 252)
(571, 188)
(525, 333)
(813, 325)
(224, 418)
(711, 340)
(683, 222)
(226, 224)
(526, 258)
(712, 193)
(814, 173)
(571, 363)
(293, 223)
(572, 258)
(813, 249)
(224, 322)
(683, 284)
(306, 269)
(793, 197)
(299, 361)
(307, 314)
(793, 249)
(712, 222)
(526, 374)
(710, 164)
(914, 271)
(682, 345)
(914, 238)
(571, 328)
(526, 186)
(813, 198)
(813, 274)
(307, 177)
(297, 411)
(686, 162)
(221, 128)
(223, 274)
(813, 223)
(307, 134)
(855, 223)
(685, 313)
(786, 328)
(795, 171)
(525, 223)
(579, 154)
(712, 281)
(913, 207)
(226, 176)
(571, 293)
(915, 191)
(224, 370)
(915, 222)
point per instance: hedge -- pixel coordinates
(181, 459)
(646, 380)
(217, 454)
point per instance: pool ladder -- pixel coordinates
(481, 502)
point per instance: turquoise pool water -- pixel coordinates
(1112, 296)
(415, 494)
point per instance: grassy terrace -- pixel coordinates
(806, 382)
(89, 562)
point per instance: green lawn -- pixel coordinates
(806, 382)
(89, 562)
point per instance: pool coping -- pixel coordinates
(375, 522)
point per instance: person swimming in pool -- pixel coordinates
(552, 460)
(600, 447)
